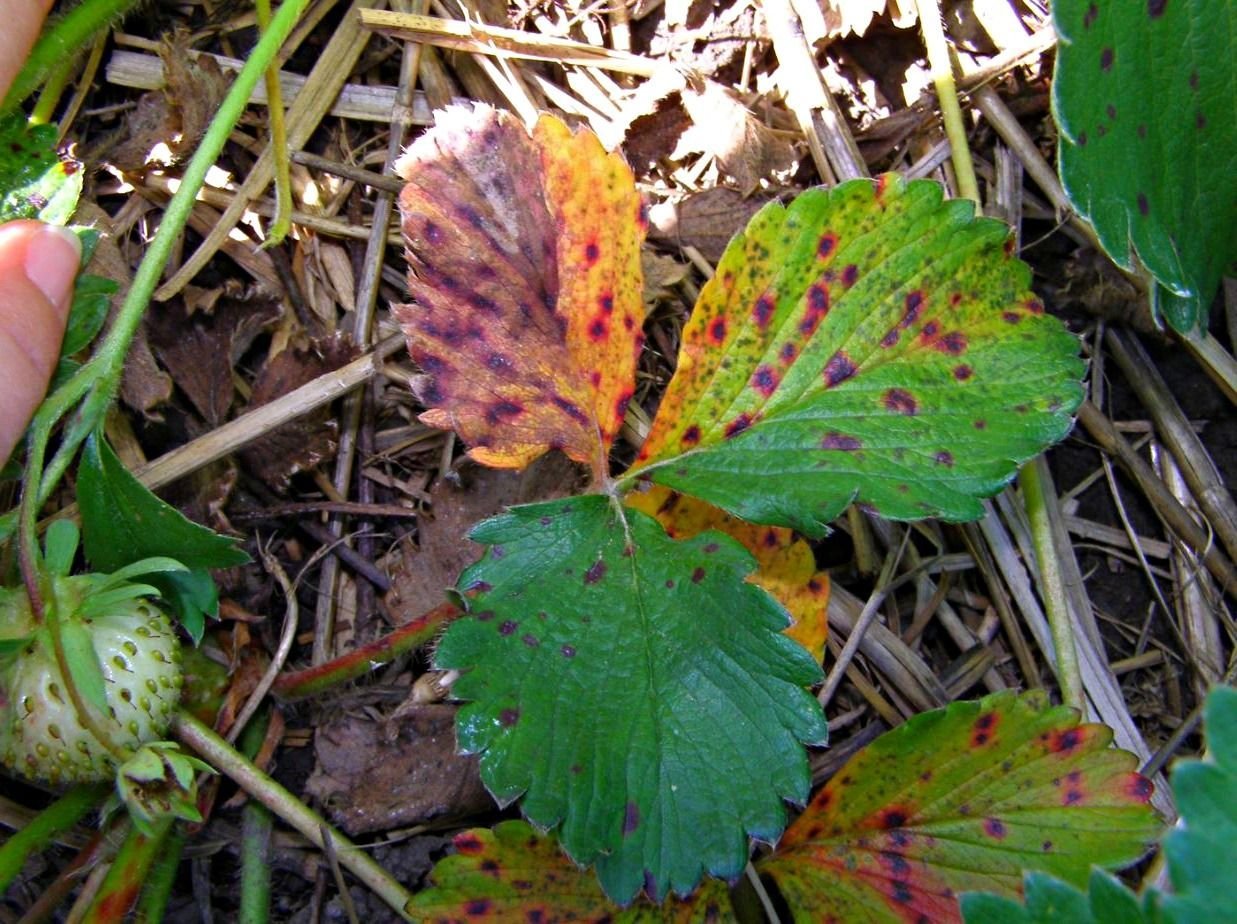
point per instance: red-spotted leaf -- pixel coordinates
(961, 799)
(524, 272)
(637, 692)
(512, 873)
(868, 342)
(1144, 97)
(786, 566)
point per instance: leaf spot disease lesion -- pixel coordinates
(901, 401)
(945, 457)
(764, 380)
(835, 440)
(838, 369)
(994, 828)
(717, 330)
(984, 729)
(827, 245)
(595, 573)
(738, 425)
(762, 310)
(508, 717)
(631, 819)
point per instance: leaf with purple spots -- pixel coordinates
(961, 799)
(1143, 97)
(866, 343)
(512, 873)
(525, 278)
(619, 681)
(786, 565)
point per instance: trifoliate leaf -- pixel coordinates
(1143, 95)
(512, 873)
(868, 342)
(123, 522)
(34, 181)
(786, 564)
(622, 682)
(524, 259)
(960, 799)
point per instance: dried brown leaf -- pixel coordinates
(726, 129)
(372, 777)
(705, 220)
(311, 438)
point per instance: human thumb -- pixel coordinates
(38, 264)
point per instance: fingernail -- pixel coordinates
(52, 259)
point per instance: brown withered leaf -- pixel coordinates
(311, 438)
(723, 127)
(175, 116)
(372, 780)
(705, 220)
(421, 572)
(200, 350)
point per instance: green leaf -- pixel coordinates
(192, 596)
(1143, 95)
(83, 662)
(868, 342)
(123, 522)
(60, 547)
(91, 298)
(1051, 901)
(34, 181)
(960, 799)
(1200, 854)
(622, 682)
(512, 873)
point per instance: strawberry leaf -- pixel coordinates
(514, 873)
(1143, 95)
(524, 272)
(34, 181)
(1199, 852)
(620, 680)
(958, 799)
(123, 522)
(868, 342)
(786, 564)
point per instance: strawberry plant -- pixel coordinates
(1143, 97)
(871, 343)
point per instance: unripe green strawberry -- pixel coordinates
(41, 736)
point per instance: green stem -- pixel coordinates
(360, 661)
(1035, 485)
(279, 140)
(53, 89)
(256, 827)
(39, 832)
(123, 883)
(62, 40)
(947, 95)
(157, 890)
(292, 810)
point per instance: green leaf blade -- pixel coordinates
(123, 522)
(620, 680)
(1143, 94)
(962, 799)
(34, 181)
(870, 342)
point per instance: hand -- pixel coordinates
(38, 264)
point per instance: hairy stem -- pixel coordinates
(38, 833)
(63, 38)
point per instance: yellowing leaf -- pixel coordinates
(512, 873)
(871, 343)
(786, 565)
(524, 273)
